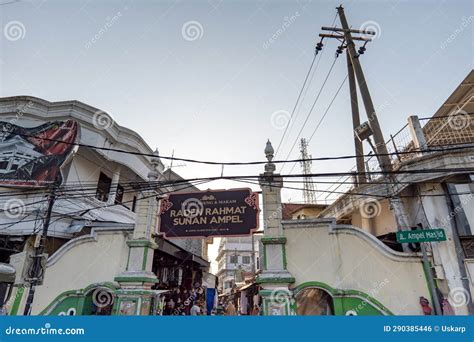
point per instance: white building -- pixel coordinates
(430, 200)
(95, 212)
(234, 260)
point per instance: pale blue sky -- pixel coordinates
(212, 98)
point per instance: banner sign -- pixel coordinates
(231, 212)
(427, 235)
(33, 157)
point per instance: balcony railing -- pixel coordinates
(438, 132)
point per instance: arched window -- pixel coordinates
(314, 302)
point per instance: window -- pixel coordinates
(233, 259)
(246, 259)
(134, 203)
(103, 188)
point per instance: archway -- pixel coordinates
(314, 301)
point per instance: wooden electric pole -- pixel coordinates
(36, 271)
(359, 149)
(380, 147)
(344, 34)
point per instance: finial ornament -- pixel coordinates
(155, 161)
(269, 151)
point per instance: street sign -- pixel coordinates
(426, 235)
(232, 212)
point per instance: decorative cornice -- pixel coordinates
(124, 279)
(142, 243)
(287, 280)
(81, 112)
(273, 240)
(352, 230)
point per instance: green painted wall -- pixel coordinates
(358, 302)
(66, 304)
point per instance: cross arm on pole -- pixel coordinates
(325, 35)
(337, 29)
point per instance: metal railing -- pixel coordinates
(454, 129)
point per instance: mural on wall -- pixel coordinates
(31, 157)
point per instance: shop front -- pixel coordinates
(181, 274)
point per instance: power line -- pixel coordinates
(298, 100)
(414, 151)
(188, 183)
(362, 194)
(310, 111)
(307, 88)
(83, 211)
(324, 115)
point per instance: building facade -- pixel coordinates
(430, 199)
(103, 221)
(235, 259)
(347, 260)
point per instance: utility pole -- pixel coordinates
(359, 149)
(344, 34)
(37, 272)
(431, 282)
(308, 185)
(380, 147)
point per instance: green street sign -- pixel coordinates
(426, 235)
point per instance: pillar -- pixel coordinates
(135, 294)
(417, 134)
(113, 188)
(274, 278)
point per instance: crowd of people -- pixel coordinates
(229, 308)
(184, 302)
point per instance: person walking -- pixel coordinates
(195, 310)
(230, 309)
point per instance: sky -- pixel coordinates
(213, 80)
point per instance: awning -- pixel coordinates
(170, 248)
(158, 292)
(245, 287)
